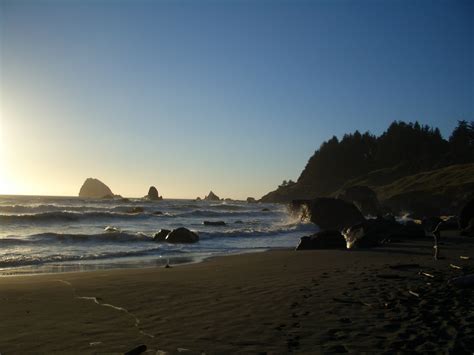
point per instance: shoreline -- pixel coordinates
(23, 271)
(277, 301)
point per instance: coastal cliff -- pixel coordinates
(410, 167)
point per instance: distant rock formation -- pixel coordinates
(153, 194)
(94, 188)
(212, 197)
(251, 200)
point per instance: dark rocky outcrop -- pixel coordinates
(214, 223)
(182, 235)
(466, 218)
(328, 213)
(153, 194)
(251, 200)
(161, 235)
(322, 240)
(374, 232)
(212, 197)
(94, 188)
(363, 198)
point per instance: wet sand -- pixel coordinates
(275, 302)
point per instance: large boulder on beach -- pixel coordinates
(153, 193)
(94, 188)
(328, 213)
(251, 200)
(323, 240)
(466, 218)
(363, 197)
(374, 232)
(212, 197)
(182, 235)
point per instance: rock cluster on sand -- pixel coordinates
(336, 216)
(153, 194)
(94, 188)
(212, 197)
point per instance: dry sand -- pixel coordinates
(275, 302)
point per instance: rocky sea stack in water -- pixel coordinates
(94, 188)
(153, 194)
(212, 197)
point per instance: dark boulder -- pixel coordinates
(373, 232)
(214, 223)
(251, 200)
(161, 235)
(94, 188)
(212, 197)
(198, 198)
(182, 235)
(364, 198)
(360, 236)
(265, 210)
(328, 213)
(153, 194)
(466, 218)
(157, 213)
(322, 240)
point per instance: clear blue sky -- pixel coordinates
(232, 96)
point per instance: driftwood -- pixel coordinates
(427, 274)
(455, 267)
(414, 293)
(464, 257)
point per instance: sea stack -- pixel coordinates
(94, 188)
(212, 197)
(153, 194)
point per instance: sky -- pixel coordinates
(229, 96)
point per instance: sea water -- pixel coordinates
(57, 234)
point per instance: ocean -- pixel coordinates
(61, 234)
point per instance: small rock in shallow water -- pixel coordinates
(182, 235)
(161, 235)
(214, 223)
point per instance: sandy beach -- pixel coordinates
(274, 302)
